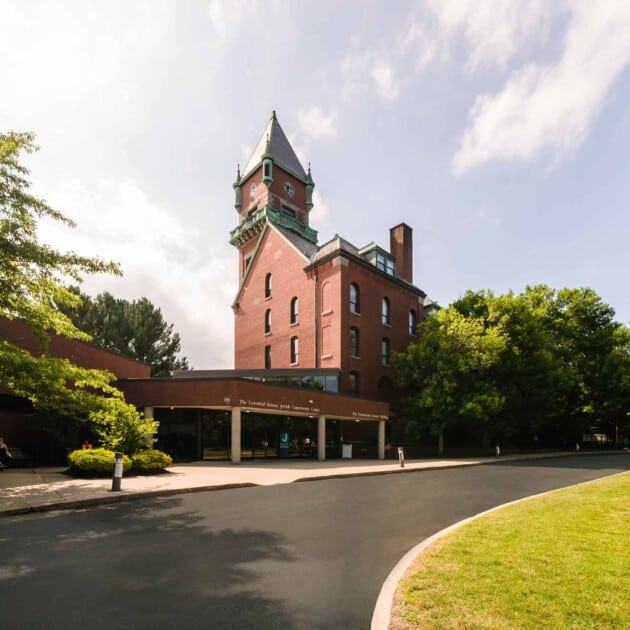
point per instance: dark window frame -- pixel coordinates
(294, 310)
(355, 342)
(295, 350)
(354, 298)
(386, 311)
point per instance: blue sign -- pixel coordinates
(283, 451)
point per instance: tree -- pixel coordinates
(32, 287)
(136, 329)
(448, 372)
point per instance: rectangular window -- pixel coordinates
(290, 212)
(386, 264)
(354, 383)
(354, 342)
(295, 355)
(385, 352)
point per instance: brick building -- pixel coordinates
(316, 327)
(304, 305)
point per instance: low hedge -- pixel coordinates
(151, 461)
(99, 462)
(95, 462)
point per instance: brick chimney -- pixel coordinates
(401, 246)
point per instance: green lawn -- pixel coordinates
(557, 561)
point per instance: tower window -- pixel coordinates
(294, 310)
(412, 322)
(268, 285)
(385, 351)
(355, 303)
(354, 342)
(267, 169)
(385, 311)
(246, 262)
(289, 212)
(295, 350)
(267, 321)
(267, 357)
(354, 383)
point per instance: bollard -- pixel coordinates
(118, 473)
(401, 456)
(497, 451)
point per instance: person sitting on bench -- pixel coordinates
(5, 454)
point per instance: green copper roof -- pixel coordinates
(254, 224)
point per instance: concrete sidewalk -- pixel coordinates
(39, 489)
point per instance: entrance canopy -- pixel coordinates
(245, 394)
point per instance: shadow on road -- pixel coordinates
(117, 571)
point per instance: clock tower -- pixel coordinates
(272, 188)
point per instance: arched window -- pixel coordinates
(267, 321)
(268, 285)
(412, 322)
(354, 342)
(294, 310)
(295, 350)
(355, 299)
(385, 351)
(355, 388)
(385, 311)
(267, 357)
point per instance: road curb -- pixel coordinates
(381, 616)
(143, 494)
(118, 498)
(489, 462)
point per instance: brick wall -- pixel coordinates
(278, 257)
(83, 354)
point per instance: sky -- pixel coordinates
(498, 129)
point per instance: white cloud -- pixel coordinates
(226, 15)
(484, 215)
(552, 107)
(161, 259)
(315, 124)
(493, 29)
(383, 77)
(318, 216)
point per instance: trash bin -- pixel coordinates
(346, 451)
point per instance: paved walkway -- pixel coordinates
(38, 489)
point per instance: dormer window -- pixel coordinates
(386, 264)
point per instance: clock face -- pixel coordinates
(252, 191)
(289, 189)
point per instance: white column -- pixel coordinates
(148, 414)
(381, 439)
(236, 435)
(321, 438)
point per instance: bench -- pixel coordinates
(19, 459)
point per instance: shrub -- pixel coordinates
(151, 461)
(95, 462)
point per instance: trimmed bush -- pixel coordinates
(95, 462)
(151, 461)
